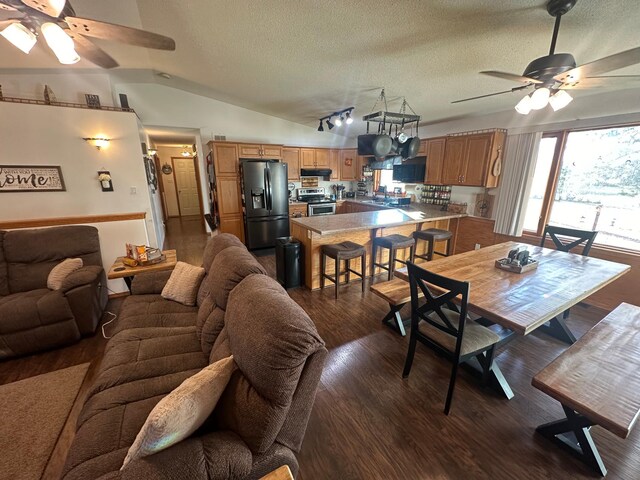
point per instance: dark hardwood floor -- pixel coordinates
(369, 423)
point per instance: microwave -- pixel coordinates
(409, 173)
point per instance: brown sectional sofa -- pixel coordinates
(259, 422)
(34, 318)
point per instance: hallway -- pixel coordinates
(188, 236)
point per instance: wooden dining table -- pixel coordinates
(524, 302)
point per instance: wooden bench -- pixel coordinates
(397, 293)
(597, 381)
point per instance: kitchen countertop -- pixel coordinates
(387, 217)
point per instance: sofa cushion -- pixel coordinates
(4, 274)
(61, 271)
(270, 337)
(183, 284)
(228, 269)
(31, 254)
(35, 320)
(183, 411)
(142, 311)
(214, 246)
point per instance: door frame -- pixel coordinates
(198, 188)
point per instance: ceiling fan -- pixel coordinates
(67, 35)
(553, 74)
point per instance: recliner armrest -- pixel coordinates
(150, 282)
(82, 276)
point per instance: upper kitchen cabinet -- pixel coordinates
(348, 164)
(248, 150)
(434, 151)
(291, 156)
(334, 164)
(471, 160)
(322, 158)
(423, 148)
(314, 158)
(225, 158)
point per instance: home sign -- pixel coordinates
(31, 178)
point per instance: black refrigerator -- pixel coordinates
(266, 202)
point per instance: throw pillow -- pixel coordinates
(182, 411)
(62, 271)
(183, 284)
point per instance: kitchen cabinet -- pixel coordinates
(362, 161)
(423, 148)
(233, 224)
(314, 158)
(227, 175)
(434, 151)
(248, 150)
(291, 156)
(334, 164)
(322, 158)
(348, 164)
(297, 210)
(225, 159)
(470, 160)
(229, 202)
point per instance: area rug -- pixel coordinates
(32, 414)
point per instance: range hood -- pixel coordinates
(315, 172)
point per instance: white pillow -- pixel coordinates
(62, 271)
(183, 284)
(182, 411)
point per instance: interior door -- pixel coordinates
(186, 186)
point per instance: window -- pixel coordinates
(592, 183)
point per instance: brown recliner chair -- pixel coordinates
(34, 318)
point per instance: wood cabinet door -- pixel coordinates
(229, 196)
(454, 153)
(362, 161)
(476, 159)
(272, 152)
(334, 164)
(233, 224)
(291, 156)
(322, 158)
(423, 148)
(225, 159)
(307, 157)
(348, 164)
(435, 159)
(246, 150)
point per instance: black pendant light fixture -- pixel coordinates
(342, 117)
(329, 124)
(320, 127)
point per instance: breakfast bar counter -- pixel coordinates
(361, 228)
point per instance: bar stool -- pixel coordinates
(394, 243)
(431, 236)
(346, 251)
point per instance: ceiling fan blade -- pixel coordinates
(119, 33)
(603, 65)
(604, 81)
(90, 51)
(514, 89)
(53, 8)
(510, 76)
(7, 8)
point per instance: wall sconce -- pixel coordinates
(104, 177)
(98, 142)
(152, 151)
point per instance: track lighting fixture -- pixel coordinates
(342, 116)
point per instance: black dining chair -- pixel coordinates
(437, 324)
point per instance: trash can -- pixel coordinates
(289, 262)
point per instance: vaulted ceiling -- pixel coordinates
(302, 59)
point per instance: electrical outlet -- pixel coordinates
(133, 191)
(477, 247)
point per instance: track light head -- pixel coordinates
(329, 124)
(349, 120)
(320, 127)
(338, 121)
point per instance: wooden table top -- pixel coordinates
(524, 301)
(599, 376)
(167, 264)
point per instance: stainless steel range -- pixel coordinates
(318, 203)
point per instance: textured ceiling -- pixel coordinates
(302, 59)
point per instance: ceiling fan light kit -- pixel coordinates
(20, 36)
(555, 73)
(60, 43)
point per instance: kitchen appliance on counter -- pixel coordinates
(318, 203)
(339, 189)
(265, 198)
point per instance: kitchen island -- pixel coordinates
(361, 228)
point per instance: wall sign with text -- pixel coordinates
(31, 178)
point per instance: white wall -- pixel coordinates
(46, 135)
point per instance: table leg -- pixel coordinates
(557, 328)
(496, 379)
(573, 433)
(128, 281)
(393, 319)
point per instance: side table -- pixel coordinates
(128, 273)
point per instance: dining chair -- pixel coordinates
(572, 238)
(444, 326)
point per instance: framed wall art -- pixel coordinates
(31, 178)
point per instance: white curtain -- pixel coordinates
(521, 152)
